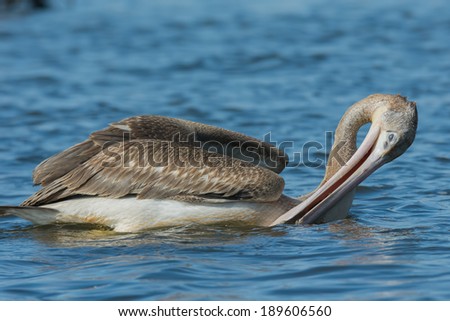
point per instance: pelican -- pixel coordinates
(153, 171)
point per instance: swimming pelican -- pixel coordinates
(155, 171)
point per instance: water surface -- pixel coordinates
(288, 68)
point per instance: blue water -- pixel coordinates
(289, 68)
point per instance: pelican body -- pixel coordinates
(153, 171)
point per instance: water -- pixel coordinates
(290, 68)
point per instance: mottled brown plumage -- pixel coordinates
(162, 157)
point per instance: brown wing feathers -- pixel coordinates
(148, 162)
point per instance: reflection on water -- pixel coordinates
(82, 235)
(288, 68)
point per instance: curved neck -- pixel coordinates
(344, 145)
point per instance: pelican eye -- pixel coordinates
(391, 139)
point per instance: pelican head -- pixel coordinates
(394, 124)
(397, 122)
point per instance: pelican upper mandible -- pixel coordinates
(154, 171)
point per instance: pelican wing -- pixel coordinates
(209, 138)
(160, 157)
